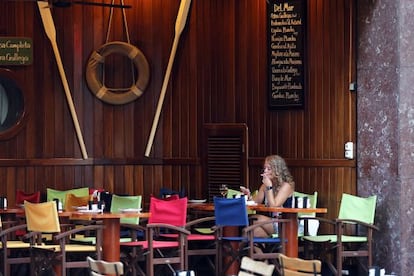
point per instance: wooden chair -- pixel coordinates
(21, 196)
(73, 201)
(52, 194)
(13, 251)
(155, 249)
(43, 218)
(101, 268)
(225, 210)
(251, 267)
(299, 267)
(352, 235)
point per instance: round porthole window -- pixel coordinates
(11, 106)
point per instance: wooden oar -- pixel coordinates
(50, 30)
(179, 27)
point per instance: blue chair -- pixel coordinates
(232, 212)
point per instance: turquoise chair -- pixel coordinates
(353, 233)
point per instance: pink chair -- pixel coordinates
(166, 216)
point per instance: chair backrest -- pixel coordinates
(313, 199)
(299, 267)
(21, 196)
(172, 212)
(100, 267)
(230, 211)
(233, 193)
(72, 201)
(359, 208)
(166, 192)
(42, 217)
(51, 194)
(251, 267)
(126, 202)
(312, 225)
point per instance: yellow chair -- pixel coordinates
(299, 267)
(43, 218)
(10, 247)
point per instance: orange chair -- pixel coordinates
(72, 202)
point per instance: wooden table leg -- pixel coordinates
(111, 235)
(233, 269)
(290, 232)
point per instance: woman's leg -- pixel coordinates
(265, 230)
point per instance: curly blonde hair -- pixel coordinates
(280, 170)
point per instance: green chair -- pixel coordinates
(233, 193)
(120, 203)
(308, 226)
(51, 194)
(353, 233)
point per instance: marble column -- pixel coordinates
(385, 122)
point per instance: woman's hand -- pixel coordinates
(266, 180)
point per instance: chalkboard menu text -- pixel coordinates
(286, 37)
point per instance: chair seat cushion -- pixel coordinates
(204, 231)
(191, 237)
(68, 248)
(16, 244)
(266, 240)
(155, 244)
(237, 239)
(333, 238)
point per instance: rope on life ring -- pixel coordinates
(96, 63)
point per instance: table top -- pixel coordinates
(14, 210)
(261, 208)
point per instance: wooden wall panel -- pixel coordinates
(219, 76)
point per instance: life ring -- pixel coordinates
(94, 69)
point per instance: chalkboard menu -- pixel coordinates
(285, 50)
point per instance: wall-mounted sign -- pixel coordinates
(286, 38)
(16, 51)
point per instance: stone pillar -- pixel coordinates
(385, 116)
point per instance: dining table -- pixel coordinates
(9, 214)
(111, 232)
(291, 228)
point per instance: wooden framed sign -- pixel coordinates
(286, 26)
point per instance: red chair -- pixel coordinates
(22, 196)
(31, 197)
(166, 216)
